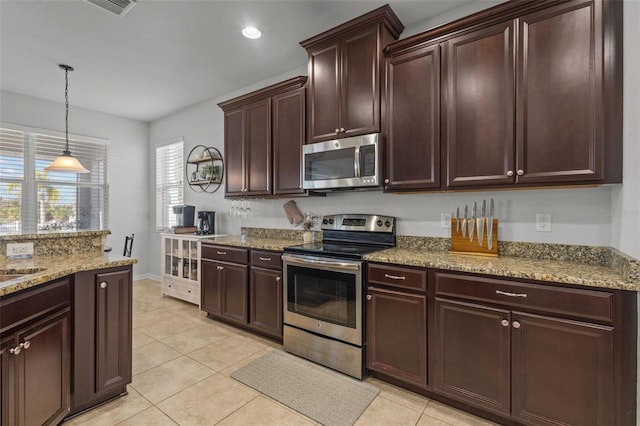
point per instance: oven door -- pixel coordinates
(324, 296)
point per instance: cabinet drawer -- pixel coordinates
(266, 259)
(23, 307)
(225, 253)
(591, 304)
(183, 291)
(396, 276)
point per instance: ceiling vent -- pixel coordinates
(118, 7)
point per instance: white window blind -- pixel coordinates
(169, 183)
(51, 201)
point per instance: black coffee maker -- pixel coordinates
(206, 223)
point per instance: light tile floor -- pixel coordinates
(181, 366)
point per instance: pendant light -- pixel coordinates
(66, 162)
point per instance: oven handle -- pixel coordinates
(306, 261)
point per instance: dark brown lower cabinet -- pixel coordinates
(35, 346)
(265, 301)
(102, 333)
(562, 371)
(537, 369)
(397, 335)
(224, 291)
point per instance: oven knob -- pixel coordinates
(387, 224)
(379, 223)
(325, 221)
(330, 221)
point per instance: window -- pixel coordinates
(34, 200)
(169, 186)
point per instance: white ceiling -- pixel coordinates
(165, 55)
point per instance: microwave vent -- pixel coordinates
(117, 7)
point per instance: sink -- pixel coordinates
(7, 277)
(9, 274)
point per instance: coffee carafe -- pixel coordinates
(206, 223)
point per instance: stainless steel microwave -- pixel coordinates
(349, 163)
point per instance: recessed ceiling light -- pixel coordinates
(251, 32)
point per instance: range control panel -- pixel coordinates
(359, 222)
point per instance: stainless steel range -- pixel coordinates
(323, 290)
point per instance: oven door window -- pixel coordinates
(335, 164)
(324, 295)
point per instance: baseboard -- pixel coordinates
(146, 277)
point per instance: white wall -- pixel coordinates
(625, 206)
(129, 161)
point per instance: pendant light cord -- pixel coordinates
(66, 106)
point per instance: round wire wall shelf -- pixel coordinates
(204, 169)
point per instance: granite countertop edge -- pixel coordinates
(48, 268)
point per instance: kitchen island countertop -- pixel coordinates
(42, 269)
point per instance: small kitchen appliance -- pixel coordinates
(206, 223)
(324, 290)
(184, 215)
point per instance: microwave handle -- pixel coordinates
(356, 162)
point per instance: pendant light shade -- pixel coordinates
(66, 162)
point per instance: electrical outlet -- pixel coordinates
(445, 220)
(543, 222)
(19, 250)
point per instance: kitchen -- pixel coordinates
(600, 216)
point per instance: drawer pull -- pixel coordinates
(221, 252)
(26, 344)
(265, 259)
(220, 268)
(395, 277)
(103, 284)
(505, 323)
(506, 293)
(368, 297)
(516, 324)
(278, 279)
(15, 350)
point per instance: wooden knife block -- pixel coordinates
(462, 245)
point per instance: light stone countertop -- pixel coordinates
(555, 271)
(42, 269)
(276, 244)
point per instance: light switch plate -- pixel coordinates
(445, 220)
(19, 250)
(543, 222)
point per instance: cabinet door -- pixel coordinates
(233, 294)
(43, 372)
(8, 390)
(472, 347)
(210, 287)
(288, 138)
(234, 152)
(258, 148)
(265, 301)
(397, 335)
(559, 99)
(413, 120)
(479, 107)
(360, 83)
(113, 330)
(324, 93)
(562, 371)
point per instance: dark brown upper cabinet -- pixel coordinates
(530, 95)
(263, 137)
(412, 119)
(345, 69)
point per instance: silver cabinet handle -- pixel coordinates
(220, 268)
(506, 293)
(520, 172)
(505, 323)
(265, 259)
(221, 252)
(337, 130)
(510, 173)
(368, 297)
(342, 129)
(387, 181)
(278, 279)
(26, 344)
(394, 277)
(103, 284)
(15, 350)
(516, 324)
